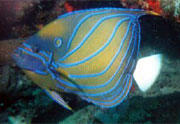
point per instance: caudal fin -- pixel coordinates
(147, 71)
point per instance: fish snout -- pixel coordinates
(26, 59)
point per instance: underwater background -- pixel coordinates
(23, 102)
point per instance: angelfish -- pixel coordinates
(91, 53)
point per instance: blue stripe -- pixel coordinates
(88, 35)
(102, 48)
(134, 61)
(119, 91)
(98, 102)
(106, 83)
(47, 63)
(78, 26)
(97, 94)
(42, 52)
(107, 68)
(50, 57)
(115, 94)
(98, 9)
(139, 38)
(33, 54)
(119, 97)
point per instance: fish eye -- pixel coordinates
(58, 42)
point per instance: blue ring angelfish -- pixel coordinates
(91, 53)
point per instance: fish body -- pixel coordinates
(91, 53)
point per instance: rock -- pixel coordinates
(7, 47)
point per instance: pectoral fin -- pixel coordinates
(56, 97)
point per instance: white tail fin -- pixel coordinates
(147, 70)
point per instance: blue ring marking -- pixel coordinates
(122, 74)
(122, 94)
(133, 52)
(106, 83)
(98, 9)
(111, 102)
(86, 94)
(118, 91)
(59, 44)
(93, 95)
(119, 98)
(96, 101)
(106, 69)
(78, 26)
(88, 34)
(100, 49)
(90, 99)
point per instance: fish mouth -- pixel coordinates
(26, 59)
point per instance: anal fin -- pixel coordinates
(56, 97)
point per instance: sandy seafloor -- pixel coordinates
(23, 102)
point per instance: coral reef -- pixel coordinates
(166, 8)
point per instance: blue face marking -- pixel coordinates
(28, 62)
(39, 62)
